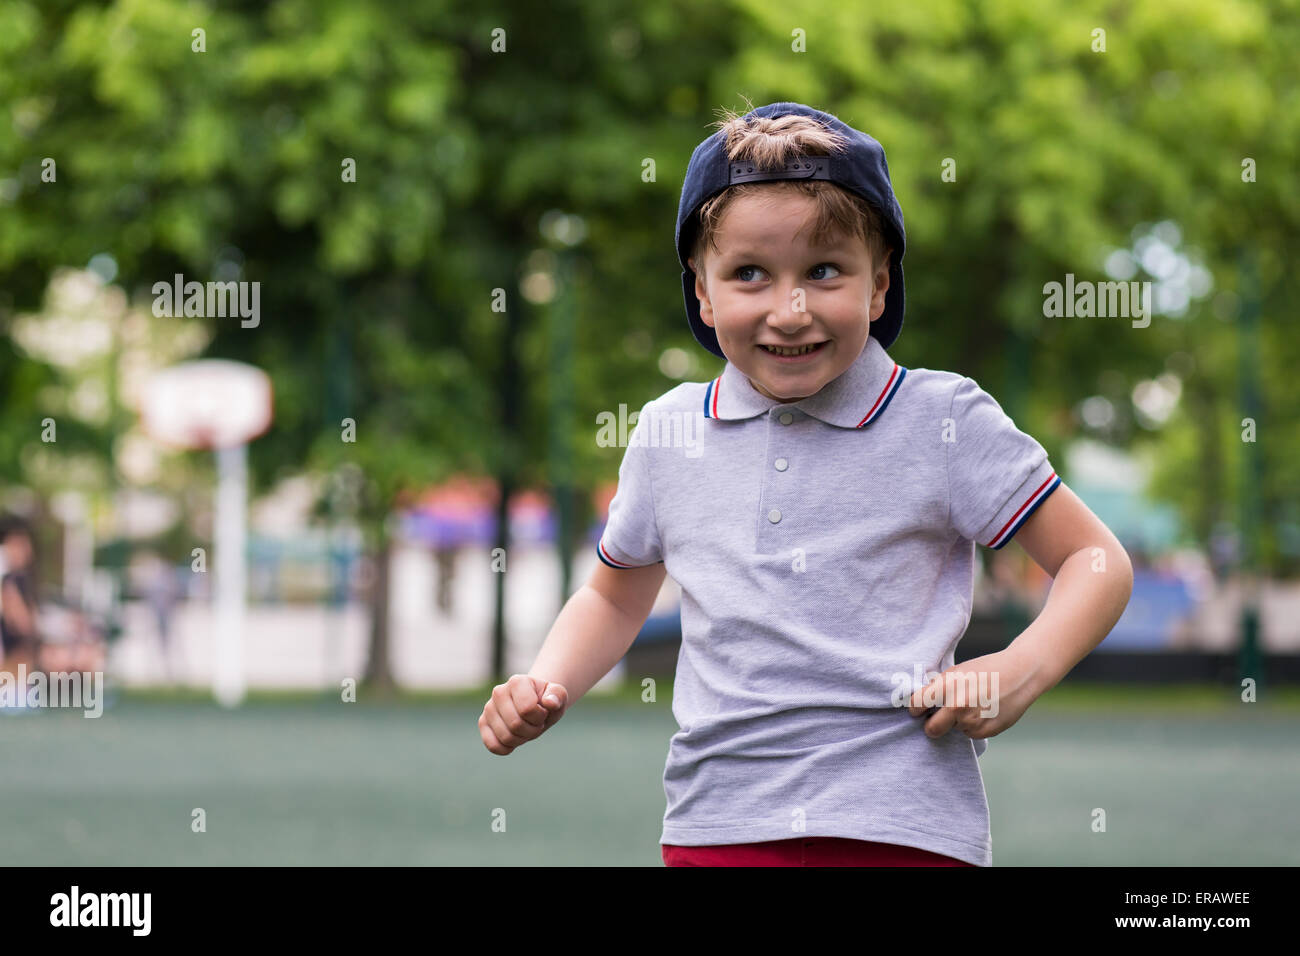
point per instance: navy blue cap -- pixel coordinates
(861, 168)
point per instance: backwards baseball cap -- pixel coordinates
(860, 168)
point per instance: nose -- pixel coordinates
(781, 314)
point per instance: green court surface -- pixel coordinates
(1186, 776)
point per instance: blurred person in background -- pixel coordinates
(18, 635)
(71, 640)
(162, 591)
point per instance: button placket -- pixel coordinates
(781, 464)
(772, 519)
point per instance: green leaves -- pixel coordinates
(377, 291)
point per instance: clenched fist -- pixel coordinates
(520, 710)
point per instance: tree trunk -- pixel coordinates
(499, 637)
(1209, 488)
(511, 396)
(379, 676)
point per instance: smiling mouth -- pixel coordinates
(791, 353)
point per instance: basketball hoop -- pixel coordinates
(219, 405)
(210, 404)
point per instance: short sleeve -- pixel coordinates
(631, 535)
(997, 475)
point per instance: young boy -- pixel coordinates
(822, 528)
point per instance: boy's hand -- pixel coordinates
(520, 710)
(983, 708)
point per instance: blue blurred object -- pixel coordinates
(661, 627)
(453, 527)
(444, 530)
(1159, 603)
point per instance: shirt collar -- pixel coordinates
(854, 399)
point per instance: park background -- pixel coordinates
(1162, 149)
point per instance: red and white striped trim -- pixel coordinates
(886, 395)
(1024, 511)
(605, 556)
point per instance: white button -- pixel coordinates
(786, 418)
(774, 516)
(782, 464)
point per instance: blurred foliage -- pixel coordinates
(376, 295)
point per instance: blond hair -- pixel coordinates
(770, 142)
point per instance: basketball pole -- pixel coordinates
(229, 541)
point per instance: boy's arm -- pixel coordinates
(1092, 582)
(597, 625)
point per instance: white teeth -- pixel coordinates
(777, 350)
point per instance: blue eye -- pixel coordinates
(820, 265)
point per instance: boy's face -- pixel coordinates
(747, 295)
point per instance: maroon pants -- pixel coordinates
(805, 851)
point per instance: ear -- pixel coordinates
(880, 285)
(702, 293)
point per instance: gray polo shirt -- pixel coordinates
(825, 551)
